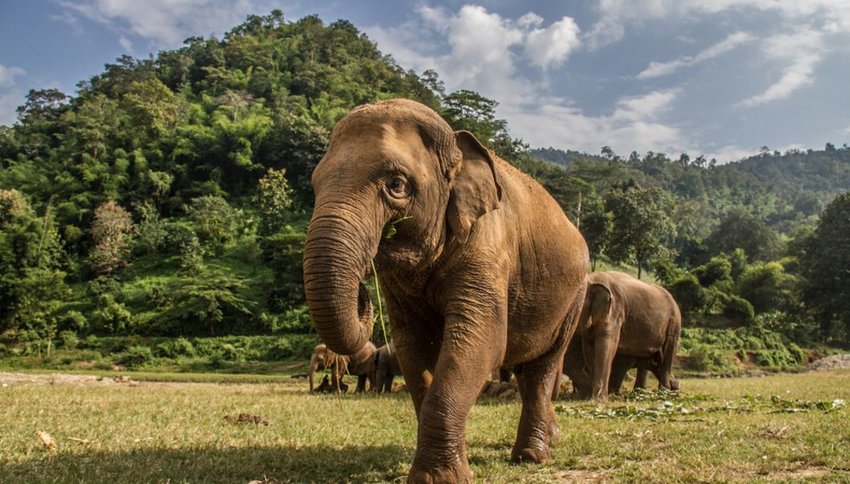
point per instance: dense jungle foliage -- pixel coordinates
(170, 195)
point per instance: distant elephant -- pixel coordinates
(574, 368)
(386, 368)
(478, 264)
(624, 323)
(327, 387)
(361, 364)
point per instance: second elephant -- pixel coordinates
(386, 368)
(360, 364)
(625, 323)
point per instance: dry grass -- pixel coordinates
(155, 432)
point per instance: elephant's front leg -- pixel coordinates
(604, 347)
(473, 345)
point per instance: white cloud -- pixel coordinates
(479, 50)
(9, 102)
(551, 46)
(657, 69)
(634, 124)
(165, 23)
(8, 75)
(830, 15)
(126, 43)
(799, 53)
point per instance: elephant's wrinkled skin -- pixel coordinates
(483, 269)
(625, 323)
(360, 364)
(387, 367)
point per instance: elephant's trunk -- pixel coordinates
(336, 258)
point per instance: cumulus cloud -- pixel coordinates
(164, 23)
(799, 53)
(635, 123)
(8, 75)
(476, 49)
(551, 46)
(9, 102)
(615, 15)
(658, 69)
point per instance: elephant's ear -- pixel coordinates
(475, 188)
(597, 307)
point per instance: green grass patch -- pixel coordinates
(783, 427)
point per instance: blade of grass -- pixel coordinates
(380, 306)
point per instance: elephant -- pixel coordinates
(574, 368)
(361, 364)
(478, 264)
(625, 322)
(386, 368)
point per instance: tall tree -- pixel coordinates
(640, 222)
(825, 264)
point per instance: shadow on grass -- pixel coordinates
(218, 464)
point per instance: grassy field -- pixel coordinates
(782, 427)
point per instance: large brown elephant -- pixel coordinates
(477, 262)
(625, 323)
(361, 364)
(387, 368)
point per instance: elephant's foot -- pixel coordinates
(460, 474)
(530, 455)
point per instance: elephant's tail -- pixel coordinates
(668, 350)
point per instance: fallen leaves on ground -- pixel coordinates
(46, 440)
(244, 418)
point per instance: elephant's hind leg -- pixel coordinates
(538, 426)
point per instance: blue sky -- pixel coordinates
(715, 77)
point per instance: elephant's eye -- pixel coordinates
(398, 187)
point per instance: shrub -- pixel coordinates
(738, 309)
(136, 356)
(70, 340)
(175, 348)
(689, 294)
(280, 350)
(709, 358)
(73, 321)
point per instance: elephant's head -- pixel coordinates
(390, 164)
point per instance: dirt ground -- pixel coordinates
(834, 362)
(51, 378)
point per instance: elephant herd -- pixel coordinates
(625, 323)
(480, 270)
(378, 366)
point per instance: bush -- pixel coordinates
(175, 348)
(709, 358)
(70, 340)
(689, 294)
(281, 350)
(73, 321)
(136, 356)
(738, 309)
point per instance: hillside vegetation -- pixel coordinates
(169, 197)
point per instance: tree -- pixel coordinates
(639, 223)
(768, 287)
(112, 232)
(825, 264)
(475, 113)
(274, 198)
(741, 230)
(215, 219)
(32, 284)
(596, 226)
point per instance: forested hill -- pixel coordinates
(782, 189)
(169, 196)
